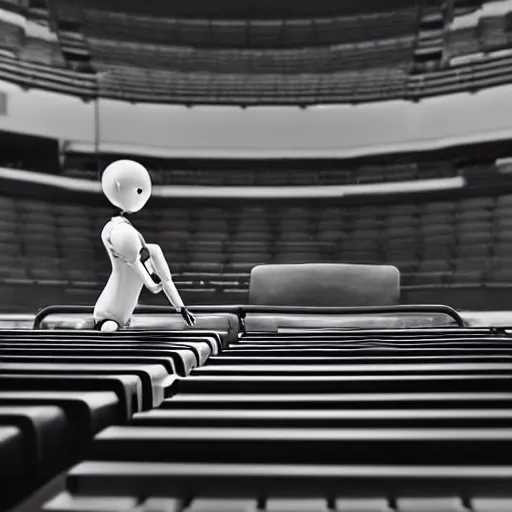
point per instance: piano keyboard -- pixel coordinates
(355, 421)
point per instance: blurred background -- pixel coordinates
(368, 131)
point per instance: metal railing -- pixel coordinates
(241, 311)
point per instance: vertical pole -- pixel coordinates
(97, 127)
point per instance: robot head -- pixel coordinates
(127, 185)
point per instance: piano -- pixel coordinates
(259, 408)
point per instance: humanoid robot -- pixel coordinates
(127, 185)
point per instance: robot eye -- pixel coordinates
(139, 191)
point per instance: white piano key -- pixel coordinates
(222, 505)
(362, 505)
(296, 505)
(491, 504)
(161, 505)
(448, 504)
(66, 502)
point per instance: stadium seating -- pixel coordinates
(348, 57)
(392, 53)
(168, 172)
(233, 33)
(142, 85)
(484, 31)
(460, 242)
(250, 9)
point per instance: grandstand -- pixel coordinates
(327, 55)
(332, 189)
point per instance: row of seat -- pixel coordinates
(15, 41)
(143, 85)
(490, 34)
(82, 165)
(459, 241)
(148, 85)
(246, 33)
(251, 9)
(393, 53)
(226, 76)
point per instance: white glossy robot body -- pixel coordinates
(128, 186)
(121, 294)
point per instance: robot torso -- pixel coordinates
(121, 294)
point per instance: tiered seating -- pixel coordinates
(490, 35)
(28, 37)
(392, 53)
(250, 9)
(437, 243)
(136, 84)
(149, 85)
(372, 70)
(245, 61)
(11, 37)
(485, 30)
(253, 33)
(79, 165)
(34, 75)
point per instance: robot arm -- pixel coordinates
(153, 287)
(127, 245)
(159, 265)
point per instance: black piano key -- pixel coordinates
(228, 358)
(128, 388)
(376, 342)
(111, 478)
(214, 339)
(348, 384)
(367, 369)
(47, 436)
(339, 401)
(181, 360)
(201, 349)
(86, 412)
(151, 376)
(310, 351)
(304, 446)
(167, 363)
(301, 418)
(14, 465)
(344, 350)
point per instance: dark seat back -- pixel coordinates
(324, 285)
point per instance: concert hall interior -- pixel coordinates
(255, 256)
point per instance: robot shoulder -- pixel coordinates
(126, 241)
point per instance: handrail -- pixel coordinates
(242, 310)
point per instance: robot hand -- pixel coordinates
(187, 316)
